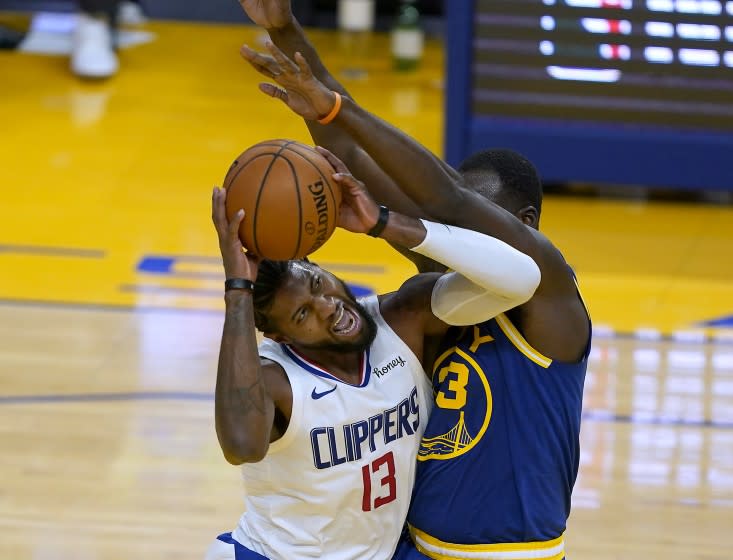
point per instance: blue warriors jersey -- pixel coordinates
(500, 453)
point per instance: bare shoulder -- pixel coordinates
(557, 276)
(555, 321)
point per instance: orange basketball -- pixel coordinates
(289, 198)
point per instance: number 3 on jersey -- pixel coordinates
(384, 470)
(454, 396)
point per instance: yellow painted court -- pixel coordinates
(111, 310)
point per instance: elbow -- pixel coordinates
(241, 456)
(243, 450)
(526, 280)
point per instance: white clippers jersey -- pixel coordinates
(337, 485)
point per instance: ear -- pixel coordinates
(529, 216)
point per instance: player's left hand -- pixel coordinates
(358, 212)
(299, 88)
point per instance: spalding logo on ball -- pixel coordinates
(289, 198)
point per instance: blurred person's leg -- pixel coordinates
(93, 54)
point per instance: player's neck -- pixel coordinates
(346, 366)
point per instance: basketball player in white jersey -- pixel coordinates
(327, 413)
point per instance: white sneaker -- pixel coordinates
(130, 13)
(92, 55)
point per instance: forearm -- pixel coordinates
(490, 276)
(243, 409)
(438, 190)
(419, 173)
(291, 39)
(486, 261)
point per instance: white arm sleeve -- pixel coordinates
(490, 276)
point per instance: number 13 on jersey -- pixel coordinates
(384, 490)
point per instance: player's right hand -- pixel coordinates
(237, 262)
(270, 14)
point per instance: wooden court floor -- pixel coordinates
(111, 311)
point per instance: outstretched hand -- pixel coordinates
(270, 14)
(299, 88)
(358, 212)
(237, 263)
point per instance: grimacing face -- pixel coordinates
(314, 309)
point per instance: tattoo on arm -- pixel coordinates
(250, 398)
(243, 408)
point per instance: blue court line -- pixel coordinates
(53, 251)
(588, 415)
(164, 265)
(721, 322)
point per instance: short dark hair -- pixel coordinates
(270, 277)
(507, 174)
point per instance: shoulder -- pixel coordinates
(408, 310)
(555, 320)
(557, 276)
(277, 383)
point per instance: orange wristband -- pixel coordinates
(335, 111)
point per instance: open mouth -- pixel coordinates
(346, 322)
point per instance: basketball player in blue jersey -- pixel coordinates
(326, 415)
(500, 453)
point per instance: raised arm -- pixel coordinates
(276, 17)
(244, 408)
(555, 320)
(418, 173)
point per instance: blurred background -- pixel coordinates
(118, 118)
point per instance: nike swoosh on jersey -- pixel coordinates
(316, 396)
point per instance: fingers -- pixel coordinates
(264, 64)
(348, 181)
(274, 66)
(233, 227)
(303, 65)
(283, 61)
(224, 227)
(218, 208)
(274, 91)
(335, 162)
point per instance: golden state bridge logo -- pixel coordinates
(463, 402)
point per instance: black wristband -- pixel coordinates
(381, 222)
(238, 284)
